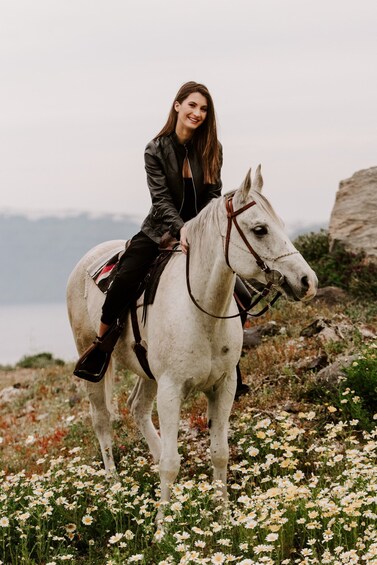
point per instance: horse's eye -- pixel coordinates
(260, 231)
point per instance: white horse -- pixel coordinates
(189, 350)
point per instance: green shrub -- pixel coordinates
(355, 397)
(6, 368)
(339, 268)
(314, 245)
(363, 282)
(360, 384)
(38, 361)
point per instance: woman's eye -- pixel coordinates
(260, 231)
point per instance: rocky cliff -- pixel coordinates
(353, 221)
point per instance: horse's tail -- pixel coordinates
(134, 394)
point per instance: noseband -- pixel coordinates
(273, 277)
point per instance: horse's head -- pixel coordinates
(258, 246)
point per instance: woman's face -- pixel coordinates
(191, 112)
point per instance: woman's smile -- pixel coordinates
(191, 114)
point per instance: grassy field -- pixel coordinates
(302, 473)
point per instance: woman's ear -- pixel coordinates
(176, 105)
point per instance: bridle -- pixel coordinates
(274, 278)
(232, 219)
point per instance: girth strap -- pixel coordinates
(138, 347)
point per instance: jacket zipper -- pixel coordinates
(193, 184)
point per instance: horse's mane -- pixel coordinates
(262, 201)
(197, 225)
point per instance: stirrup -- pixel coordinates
(93, 363)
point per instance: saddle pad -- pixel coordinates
(102, 270)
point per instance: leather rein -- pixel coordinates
(273, 277)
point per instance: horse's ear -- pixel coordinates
(246, 185)
(258, 180)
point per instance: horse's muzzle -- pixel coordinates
(304, 291)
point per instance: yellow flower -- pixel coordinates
(272, 537)
(4, 522)
(272, 492)
(159, 534)
(114, 539)
(298, 476)
(218, 558)
(200, 543)
(169, 518)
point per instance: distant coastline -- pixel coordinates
(38, 255)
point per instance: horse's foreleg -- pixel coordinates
(220, 402)
(168, 406)
(101, 412)
(140, 404)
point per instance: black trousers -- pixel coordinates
(133, 267)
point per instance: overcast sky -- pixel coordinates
(84, 85)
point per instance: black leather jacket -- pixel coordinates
(163, 163)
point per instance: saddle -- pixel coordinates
(93, 364)
(103, 272)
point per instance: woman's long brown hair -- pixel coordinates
(205, 137)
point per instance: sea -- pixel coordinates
(29, 329)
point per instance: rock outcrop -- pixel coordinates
(353, 222)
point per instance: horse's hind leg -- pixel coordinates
(220, 403)
(140, 404)
(102, 415)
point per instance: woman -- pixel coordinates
(183, 164)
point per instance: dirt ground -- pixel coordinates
(18, 377)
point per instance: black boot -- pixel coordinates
(94, 362)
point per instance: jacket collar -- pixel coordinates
(176, 143)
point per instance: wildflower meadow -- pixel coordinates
(302, 474)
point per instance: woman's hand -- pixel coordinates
(167, 242)
(183, 239)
